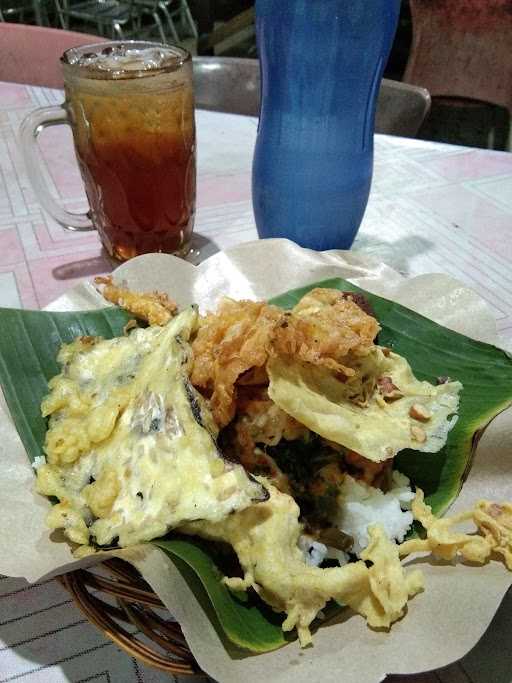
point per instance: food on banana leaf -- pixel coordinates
(272, 431)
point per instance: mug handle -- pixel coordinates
(30, 128)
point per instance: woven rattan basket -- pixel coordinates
(117, 596)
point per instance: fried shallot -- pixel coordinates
(326, 328)
(230, 342)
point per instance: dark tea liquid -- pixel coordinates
(135, 143)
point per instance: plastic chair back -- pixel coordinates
(401, 108)
(232, 85)
(30, 54)
(227, 84)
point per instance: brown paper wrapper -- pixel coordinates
(442, 624)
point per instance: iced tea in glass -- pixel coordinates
(131, 109)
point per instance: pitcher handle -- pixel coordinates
(30, 128)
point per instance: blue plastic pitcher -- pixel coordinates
(321, 68)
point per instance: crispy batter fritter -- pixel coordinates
(154, 307)
(230, 342)
(234, 343)
(326, 328)
(265, 538)
(493, 522)
(130, 445)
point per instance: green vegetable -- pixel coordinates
(302, 461)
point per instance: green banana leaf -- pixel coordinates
(242, 622)
(30, 340)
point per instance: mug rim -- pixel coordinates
(182, 57)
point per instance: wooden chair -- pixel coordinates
(232, 85)
(30, 54)
(462, 50)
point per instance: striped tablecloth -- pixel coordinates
(433, 208)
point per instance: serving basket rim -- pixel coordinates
(127, 611)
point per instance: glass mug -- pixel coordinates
(130, 106)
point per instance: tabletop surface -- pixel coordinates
(433, 208)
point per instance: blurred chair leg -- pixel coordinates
(63, 18)
(501, 129)
(45, 16)
(190, 19)
(36, 8)
(159, 25)
(204, 13)
(117, 31)
(105, 29)
(170, 22)
(38, 15)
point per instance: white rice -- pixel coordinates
(361, 505)
(313, 551)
